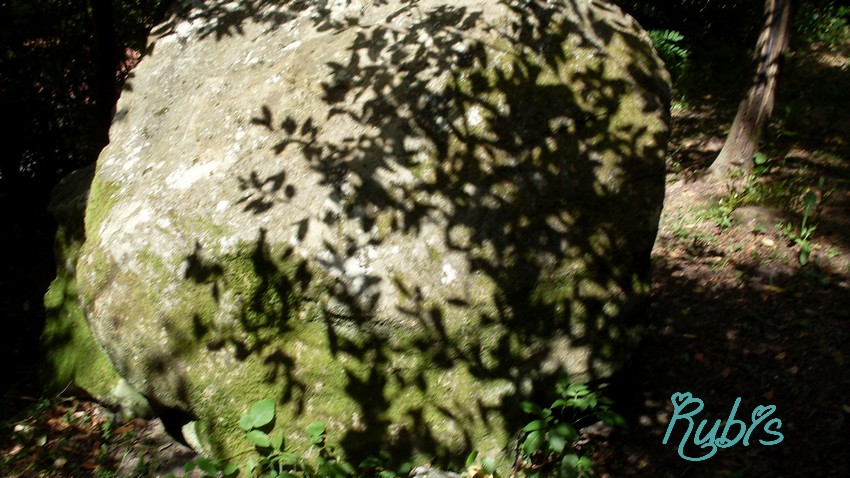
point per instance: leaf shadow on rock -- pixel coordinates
(225, 18)
(512, 167)
(262, 315)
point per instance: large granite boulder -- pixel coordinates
(400, 218)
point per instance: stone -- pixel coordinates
(399, 218)
(71, 360)
(761, 219)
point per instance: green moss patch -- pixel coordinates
(71, 357)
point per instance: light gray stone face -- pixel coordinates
(397, 217)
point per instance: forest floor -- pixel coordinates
(735, 314)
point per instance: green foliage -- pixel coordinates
(779, 194)
(750, 189)
(802, 236)
(761, 162)
(721, 214)
(261, 414)
(548, 448)
(670, 47)
(821, 21)
(273, 461)
(711, 59)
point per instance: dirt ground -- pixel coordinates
(735, 313)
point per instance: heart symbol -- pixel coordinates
(681, 399)
(761, 412)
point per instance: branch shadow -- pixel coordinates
(523, 160)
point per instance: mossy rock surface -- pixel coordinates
(71, 360)
(399, 218)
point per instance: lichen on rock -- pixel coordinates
(399, 218)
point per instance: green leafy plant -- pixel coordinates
(548, 448)
(749, 189)
(273, 461)
(824, 21)
(802, 236)
(269, 446)
(669, 45)
(721, 213)
(379, 467)
(486, 469)
(787, 122)
(761, 162)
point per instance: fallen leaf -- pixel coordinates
(769, 394)
(125, 428)
(25, 462)
(773, 288)
(726, 372)
(58, 424)
(81, 437)
(781, 356)
(476, 471)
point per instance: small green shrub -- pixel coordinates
(827, 22)
(752, 189)
(670, 47)
(548, 448)
(802, 236)
(273, 461)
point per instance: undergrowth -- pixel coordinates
(549, 446)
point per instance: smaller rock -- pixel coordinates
(131, 403)
(772, 272)
(758, 217)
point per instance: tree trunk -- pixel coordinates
(755, 110)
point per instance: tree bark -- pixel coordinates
(755, 110)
